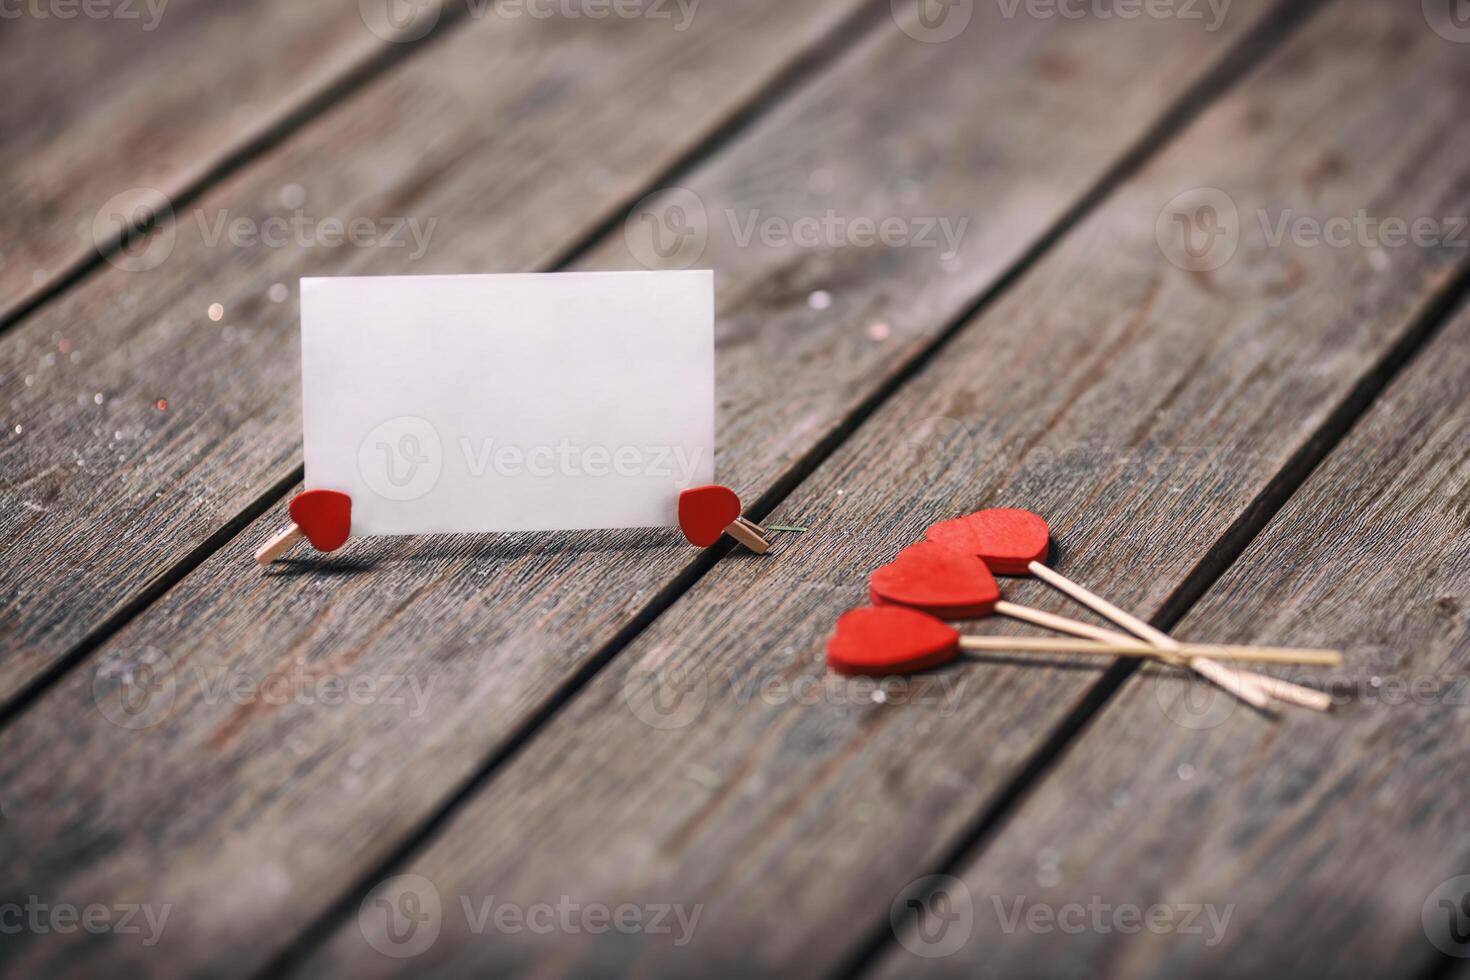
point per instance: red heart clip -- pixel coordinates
(938, 580)
(324, 516)
(705, 512)
(887, 640)
(1006, 539)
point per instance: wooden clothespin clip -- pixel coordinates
(323, 517)
(705, 513)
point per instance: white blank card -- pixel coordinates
(509, 403)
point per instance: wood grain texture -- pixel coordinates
(151, 95)
(310, 797)
(1142, 408)
(1322, 844)
(139, 427)
(1324, 841)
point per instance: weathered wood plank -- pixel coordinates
(1315, 846)
(135, 419)
(1142, 407)
(312, 797)
(144, 94)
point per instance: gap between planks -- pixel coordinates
(237, 159)
(784, 85)
(1439, 311)
(1284, 19)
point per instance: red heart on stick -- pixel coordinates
(1006, 539)
(887, 640)
(705, 512)
(324, 516)
(938, 580)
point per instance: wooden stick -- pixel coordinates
(740, 532)
(1219, 651)
(1227, 679)
(1056, 644)
(1281, 690)
(1302, 697)
(279, 545)
(1274, 687)
(1244, 688)
(1103, 607)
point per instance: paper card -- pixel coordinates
(509, 403)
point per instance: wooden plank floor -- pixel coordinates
(1254, 436)
(108, 119)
